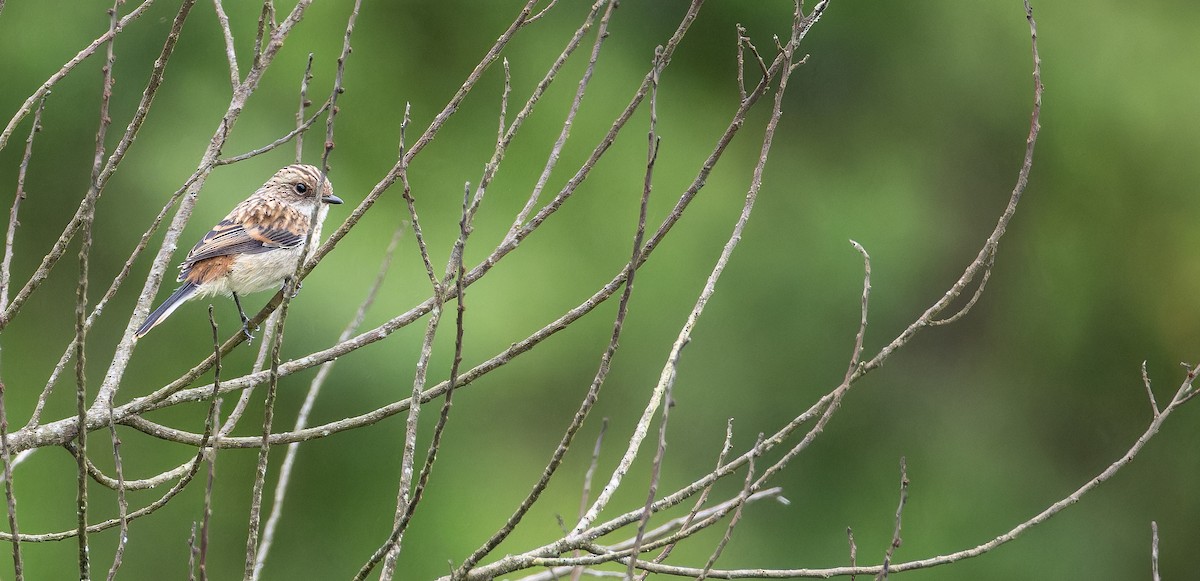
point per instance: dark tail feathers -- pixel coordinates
(164, 310)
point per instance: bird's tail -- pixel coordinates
(168, 306)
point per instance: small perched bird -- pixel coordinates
(257, 246)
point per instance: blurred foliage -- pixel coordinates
(904, 131)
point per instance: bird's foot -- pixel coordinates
(295, 290)
(246, 331)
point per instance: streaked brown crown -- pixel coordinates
(288, 182)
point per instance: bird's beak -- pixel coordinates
(331, 199)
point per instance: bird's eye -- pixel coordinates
(301, 188)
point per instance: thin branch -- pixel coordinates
(13, 223)
(542, 13)
(235, 77)
(744, 42)
(390, 550)
(122, 503)
(585, 496)
(647, 182)
(962, 312)
(88, 208)
(605, 360)
(208, 443)
(304, 104)
(214, 412)
(13, 529)
(739, 504)
(193, 550)
(411, 203)
(297, 133)
(1149, 390)
(741, 61)
(895, 544)
(856, 357)
(986, 254)
(260, 472)
(1154, 552)
(853, 550)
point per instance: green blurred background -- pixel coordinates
(904, 132)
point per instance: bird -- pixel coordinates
(257, 246)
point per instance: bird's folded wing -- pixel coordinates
(229, 237)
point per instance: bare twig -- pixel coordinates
(585, 496)
(663, 534)
(739, 503)
(260, 361)
(8, 490)
(297, 133)
(81, 296)
(577, 535)
(214, 412)
(856, 357)
(741, 61)
(622, 309)
(744, 43)
(895, 544)
(13, 223)
(853, 550)
(193, 550)
(208, 443)
(1154, 552)
(986, 254)
(122, 503)
(1184, 394)
(1149, 390)
(391, 546)
(304, 104)
(235, 77)
(256, 505)
(647, 183)
(542, 13)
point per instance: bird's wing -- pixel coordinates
(250, 229)
(229, 237)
